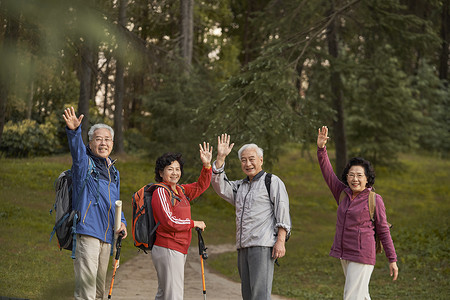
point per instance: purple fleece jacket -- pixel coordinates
(354, 239)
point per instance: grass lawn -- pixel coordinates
(416, 199)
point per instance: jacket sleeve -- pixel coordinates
(280, 200)
(222, 186)
(163, 212)
(193, 190)
(336, 186)
(80, 162)
(383, 231)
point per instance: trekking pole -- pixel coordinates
(116, 261)
(203, 255)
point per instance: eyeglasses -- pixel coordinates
(359, 176)
(99, 140)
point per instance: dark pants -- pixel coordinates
(255, 266)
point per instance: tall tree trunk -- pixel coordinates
(445, 36)
(105, 81)
(7, 66)
(187, 31)
(337, 97)
(119, 84)
(87, 61)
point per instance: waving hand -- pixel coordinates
(71, 119)
(206, 154)
(223, 149)
(322, 137)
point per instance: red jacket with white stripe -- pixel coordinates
(174, 230)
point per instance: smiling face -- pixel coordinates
(356, 179)
(171, 173)
(102, 143)
(251, 163)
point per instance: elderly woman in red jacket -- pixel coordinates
(354, 241)
(173, 211)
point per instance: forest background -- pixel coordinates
(167, 75)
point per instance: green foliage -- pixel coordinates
(433, 96)
(257, 107)
(382, 120)
(135, 141)
(27, 138)
(177, 123)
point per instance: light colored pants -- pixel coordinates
(90, 265)
(357, 278)
(255, 265)
(169, 265)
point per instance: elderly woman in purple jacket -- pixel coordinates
(354, 241)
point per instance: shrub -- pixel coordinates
(28, 138)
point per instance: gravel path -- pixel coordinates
(136, 279)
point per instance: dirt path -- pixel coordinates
(136, 279)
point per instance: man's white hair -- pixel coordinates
(259, 150)
(98, 126)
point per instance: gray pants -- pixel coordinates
(169, 265)
(255, 266)
(90, 265)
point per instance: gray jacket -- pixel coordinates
(257, 216)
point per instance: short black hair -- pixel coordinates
(368, 170)
(166, 160)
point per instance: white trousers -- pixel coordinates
(357, 278)
(169, 265)
(90, 266)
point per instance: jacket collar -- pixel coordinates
(257, 176)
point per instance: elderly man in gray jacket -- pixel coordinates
(262, 220)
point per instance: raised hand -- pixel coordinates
(322, 137)
(71, 119)
(206, 154)
(223, 148)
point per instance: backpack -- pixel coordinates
(144, 225)
(67, 218)
(372, 206)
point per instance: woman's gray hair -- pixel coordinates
(98, 126)
(259, 150)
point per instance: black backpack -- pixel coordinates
(144, 225)
(66, 219)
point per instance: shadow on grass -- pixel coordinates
(62, 291)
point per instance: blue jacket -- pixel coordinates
(96, 201)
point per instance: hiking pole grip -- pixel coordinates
(203, 255)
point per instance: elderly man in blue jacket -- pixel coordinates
(263, 222)
(94, 196)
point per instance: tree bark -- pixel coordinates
(87, 61)
(340, 139)
(119, 85)
(187, 31)
(445, 36)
